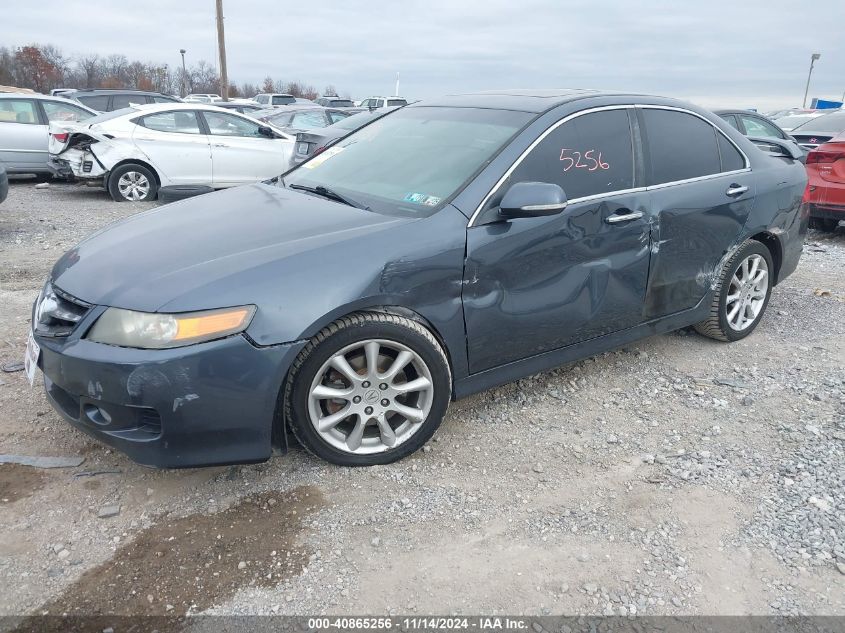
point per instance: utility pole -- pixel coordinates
(183, 91)
(813, 59)
(221, 46)
(396, 93)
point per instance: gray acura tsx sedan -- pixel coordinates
(446, 248)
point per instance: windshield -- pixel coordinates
(826, 124)
(412, 160)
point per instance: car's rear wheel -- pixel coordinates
(133, 183)
(371, 388)
(741, 294)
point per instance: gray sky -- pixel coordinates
(745, 53)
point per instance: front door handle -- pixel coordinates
(220, 145)
(616, 218)
(736, 190)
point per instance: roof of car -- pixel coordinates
(121, 90)
(524, 100)
(738, 111)
(31, 95)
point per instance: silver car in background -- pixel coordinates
(24, 121)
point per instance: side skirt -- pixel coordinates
(547, 360)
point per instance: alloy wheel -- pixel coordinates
(133, 185)
(370, 396)
(747, 292)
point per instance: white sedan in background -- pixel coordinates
(136, 150)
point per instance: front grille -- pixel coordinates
(58, 313)
(811, 141)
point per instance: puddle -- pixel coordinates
(18, 482)
(192, 563)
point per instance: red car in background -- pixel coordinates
(826, 184)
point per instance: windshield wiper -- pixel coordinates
(325, 192)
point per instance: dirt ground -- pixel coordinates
(675, 476)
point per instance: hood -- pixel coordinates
(192, 247)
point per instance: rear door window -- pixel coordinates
(729, 154)
(125, 100)
(308, 120)
(391, 103)
(680, 146)
(755, 126)
(100, 103)
(220, 124)
(731, 119)
(58, 111)
(18, 111)
(180, 122)
(589, 155)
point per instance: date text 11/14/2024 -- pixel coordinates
(421, 623)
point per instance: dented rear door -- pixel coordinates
(701, 191)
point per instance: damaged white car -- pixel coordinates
(135, 151)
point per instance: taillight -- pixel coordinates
(824, 156)
(318, 150)
(806, 198)
(61, 137)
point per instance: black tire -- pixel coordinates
(716, 326)
(824, 224)
(172, 193)
(335, 337)
(119, 172)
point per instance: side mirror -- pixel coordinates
(532, 199)
(266, 131)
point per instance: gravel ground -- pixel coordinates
(675, 476)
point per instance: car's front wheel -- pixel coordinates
(133, 183)
(741, 294)
(370, 388)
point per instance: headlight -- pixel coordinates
(147, 330)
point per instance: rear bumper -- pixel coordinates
(76, 163)
(201, 405)
(827, 211)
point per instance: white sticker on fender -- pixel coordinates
(30, 361)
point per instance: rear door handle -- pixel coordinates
(736, 190)
(220, 145)
(616, 218)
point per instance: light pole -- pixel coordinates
(183, 93)
(221, 47)
(813, 59)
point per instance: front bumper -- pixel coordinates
(209, 404)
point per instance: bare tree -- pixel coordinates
(90, 66)
(330, 91)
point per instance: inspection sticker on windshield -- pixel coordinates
(30, 360)
(421, 198)
(322, 157)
